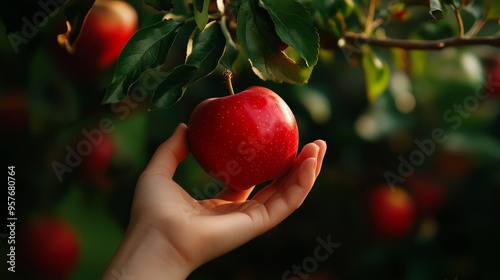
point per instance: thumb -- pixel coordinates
(170, 153)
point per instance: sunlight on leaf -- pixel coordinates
(205, 50)
(201, 12)
(261, 45)
(377, 75)
(294, 25)
(492, 9)
(147, 49)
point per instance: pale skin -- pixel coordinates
(170, 234)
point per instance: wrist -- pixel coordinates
(146, 254)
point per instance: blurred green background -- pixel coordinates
(44, 109)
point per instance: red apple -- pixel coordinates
(14, 111)
(399, 11)
(390, 211)
(327, 39)
(49, 247)
(454, 165)
(427, 193)
(98, 160)
(244, 139)
(106, 29)
(493, 78)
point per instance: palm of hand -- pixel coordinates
(204, 229)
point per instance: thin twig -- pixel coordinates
(460, 22)
(359, 40)
(476, 27)
(370, 16)
(229, 76)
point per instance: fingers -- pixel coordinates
(234, 195)
(286, 194)
(312, 150)
(321, 154)
(170, 153)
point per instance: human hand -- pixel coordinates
(171, 233)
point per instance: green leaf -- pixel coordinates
(148, 48)
(335, 17)
(491, 9)
(204, 52)
(479, 144)
(418, 62)
(235, 5)
(160, 5)
(260, 43)
(201, 12)
(476, 9)
(171, 89)
(294, 25)
(231, 52)
(377, 75)
(484, 9)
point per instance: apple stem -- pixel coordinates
(229, 75)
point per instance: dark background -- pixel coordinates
(457, 241)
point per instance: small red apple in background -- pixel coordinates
(106, 29)
(49, 247)
(244, 139)
(14, 111)
(401, 15)
(427, 193)
(327, 39)
(95, 164)
(391, 212)
(453, 164)
(493, 78)
(399, 11)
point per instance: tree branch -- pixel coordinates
(359, 40)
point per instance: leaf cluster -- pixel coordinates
(281, 40)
